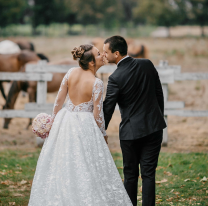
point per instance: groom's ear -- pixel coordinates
(117, 54)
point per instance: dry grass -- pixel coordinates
(190, 53)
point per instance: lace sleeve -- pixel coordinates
(61, 96)
(98, 105)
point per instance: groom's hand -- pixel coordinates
(106, 139)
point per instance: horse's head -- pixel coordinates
(25, 45)
(26, 56)
(137, 51)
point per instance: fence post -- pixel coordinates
(165, 93)
(41, 97)
(41, 87)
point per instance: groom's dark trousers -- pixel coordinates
(135, 86)
(143, 151)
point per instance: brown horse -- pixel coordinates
(24, 45)
(137, 50)
(134, 49)
(14, 62)
(31, 87)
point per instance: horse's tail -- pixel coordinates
(15, 88)
(43, 57)
(2, 90)
(32, 47)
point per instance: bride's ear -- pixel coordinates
(91, 64)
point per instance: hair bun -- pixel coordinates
(77, 52)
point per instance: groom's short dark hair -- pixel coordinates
(117, 43)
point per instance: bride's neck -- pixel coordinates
(92, 70)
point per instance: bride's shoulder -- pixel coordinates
(98, 85)
(98, 81)
(70, 70)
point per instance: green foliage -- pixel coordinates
(16, 172)
(43, 12)
(180, 177)
(158, 12)
(199, 13)
(11, 11)
(100, 11)
(106, 14)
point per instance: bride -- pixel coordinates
(75, 166)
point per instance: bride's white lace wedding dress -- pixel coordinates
(75, 166)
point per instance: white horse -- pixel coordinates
(9, 47)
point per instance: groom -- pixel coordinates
(136, 87)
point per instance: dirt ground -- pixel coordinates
(185, 134)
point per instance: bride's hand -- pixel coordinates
(106, 138)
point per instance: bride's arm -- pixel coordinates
(98, 106)
(61, 96)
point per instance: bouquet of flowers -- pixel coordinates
(41, 125)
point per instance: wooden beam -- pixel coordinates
(23, 76)
(107, 69)
(49, 106)
(31, 114)
(64, 68)
(48, 68)
(165, 131)
(175, 68)
(20, 113)
(174, 105)
(166, 76)
(191, 76)
(187, 113)
(44, 68)
(39, 107)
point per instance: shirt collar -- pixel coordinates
(123, 59)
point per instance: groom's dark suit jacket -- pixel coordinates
(136, 87)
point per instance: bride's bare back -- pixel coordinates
(83, 90)
(80, 86)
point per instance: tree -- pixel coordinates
(44, 12)
(199, 13)
(128, 8)
(11, 11)
(98, 12)
(160, 12)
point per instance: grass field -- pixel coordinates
(182, 179)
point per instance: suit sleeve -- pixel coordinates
(110, 100)
(159, 92)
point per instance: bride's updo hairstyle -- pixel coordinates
(84, 55)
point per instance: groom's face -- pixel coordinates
(111, 57)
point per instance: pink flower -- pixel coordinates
(41, 125)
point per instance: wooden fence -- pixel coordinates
(42, 73)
